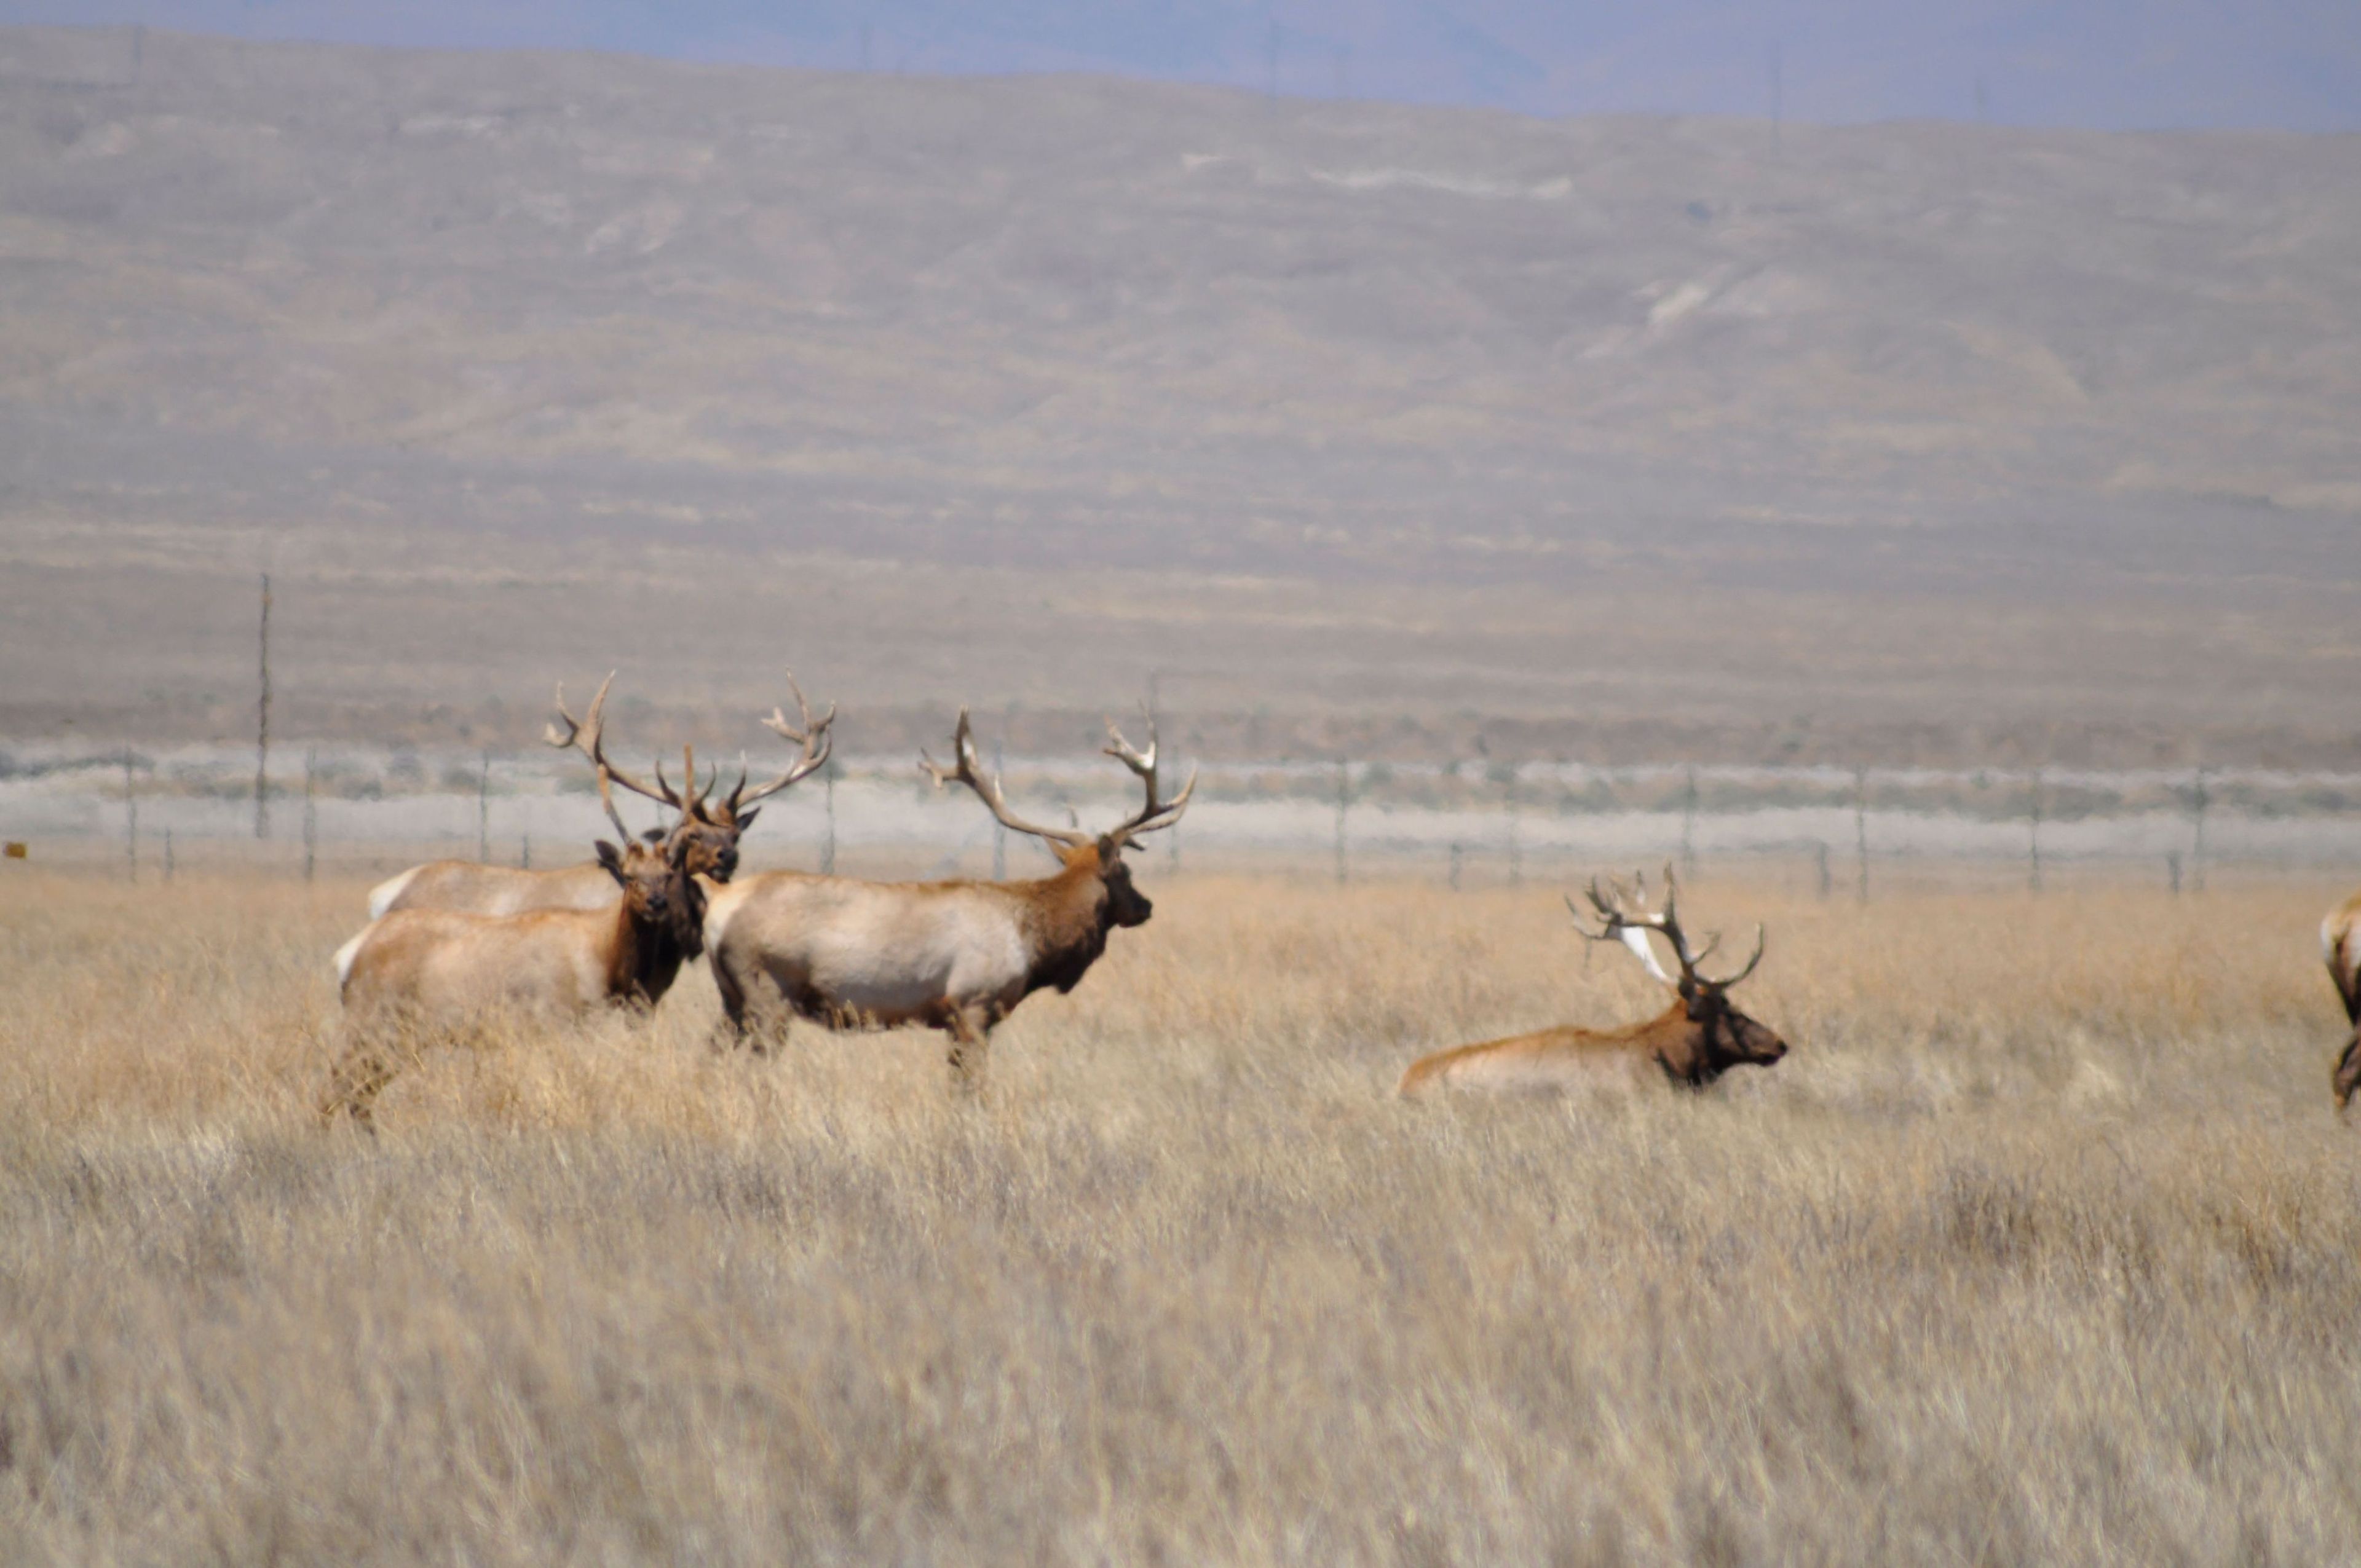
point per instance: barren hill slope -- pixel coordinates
(313, 294)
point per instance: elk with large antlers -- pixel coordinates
(416, 977)
(956, 955)
(710, 828)
(1697, 1040)
(2340, 945)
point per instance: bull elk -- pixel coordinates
(710, 828)
(1694, 1041)
(2340, 945)
(956, 955)
(420, 976)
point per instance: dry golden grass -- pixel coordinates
(2043, 1245)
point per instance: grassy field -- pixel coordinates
(2042, 1245)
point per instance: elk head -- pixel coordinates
(654, 872)
(710, 829)
(1719, 1037)
(1096, 854)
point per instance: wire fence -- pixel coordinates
(1840, 832)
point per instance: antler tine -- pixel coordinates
(587, 736)
(1618, 923)
(966, 770)
(1741, 974)
(1155, 814)
(606, 799)
(816, 739)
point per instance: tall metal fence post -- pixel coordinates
(2033, 838)
(130, 819)
(999, 829)
(1343, 805)
(311, 811)
(1861, 829)
(262, 724)
(1688, 825)
(1516, 832)
(2198, 800)
(828, 794)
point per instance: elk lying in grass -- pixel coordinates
(1697, 1040)
(710, 828)
(2340, 945)
(956, 955)
(418, 977)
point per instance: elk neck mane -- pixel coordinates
(647, 956)
(1064, 920)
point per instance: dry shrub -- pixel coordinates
(2043, 1245)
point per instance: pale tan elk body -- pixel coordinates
(2340, 945)
(1694, 1041)
(711, 828)
(420, 977)
(956, 955)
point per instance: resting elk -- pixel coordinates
(2339, 944)
(1694, 1041)
(956, 955)
(711, 828)
(418, 976)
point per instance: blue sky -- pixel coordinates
(2291, 64)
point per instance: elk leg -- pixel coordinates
(970, 1029)
(2348, 1073)
(731, 1031)
(353, 1084)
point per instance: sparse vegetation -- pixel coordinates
(2042, 1245)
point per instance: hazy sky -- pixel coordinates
(2108, 63)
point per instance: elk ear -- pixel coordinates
(1110, 853)
(746, 817)
(612, 859)
(652, 835)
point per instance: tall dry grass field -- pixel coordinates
(2043, 1245)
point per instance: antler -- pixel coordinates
(1153, 815)
(814, 738)
(694, 803)
(966, 770)
(606, 799)
(1619, 921)
(586, 735)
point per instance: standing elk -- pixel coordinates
(2340, 945)
(417, 976)
(711, 828)
(1694, 1041)
(955, 956)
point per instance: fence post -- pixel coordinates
(130, 819)
(1344, 803)
(999, 829)
(828, 794)
(1688, 826)
(262, 724)
(483, 808)
(311, 811)
(1454, 867)
(1516, 832)
(168, 854)
(1860, 828)
(524, 854)
(2197, 842)
(2033, 839)
(1825, 883)
(2173, 870)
